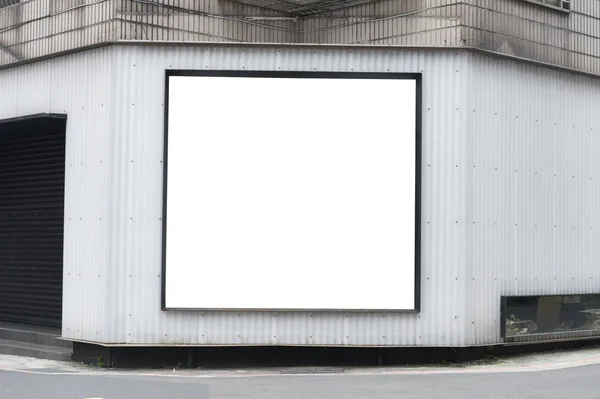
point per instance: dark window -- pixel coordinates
(549, 317)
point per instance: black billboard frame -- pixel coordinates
(417, 77)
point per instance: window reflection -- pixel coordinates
(528, 315)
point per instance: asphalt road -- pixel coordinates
(574, 382)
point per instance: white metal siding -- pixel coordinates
(114, 98)
(535, 142)
(135, 255)
(76, 85)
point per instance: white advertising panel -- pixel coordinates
(291, 191)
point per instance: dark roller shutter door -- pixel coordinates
(32, 178)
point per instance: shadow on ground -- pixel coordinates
(236, 357)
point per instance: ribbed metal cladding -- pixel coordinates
(32, 180)
(135, 245)
(534, 137)
(488, 218)
(77, 85)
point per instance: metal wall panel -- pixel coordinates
(79, 86)
(135, 263)
(468, 261)
(534, 136)
(490, 197)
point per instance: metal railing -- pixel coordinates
(8, 3)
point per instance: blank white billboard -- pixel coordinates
(291, 192)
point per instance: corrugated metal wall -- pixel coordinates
(490, 195)
(534, 140)
(136, 247)
(466, 267)
(79, 86)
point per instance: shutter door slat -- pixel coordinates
(32, 176)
